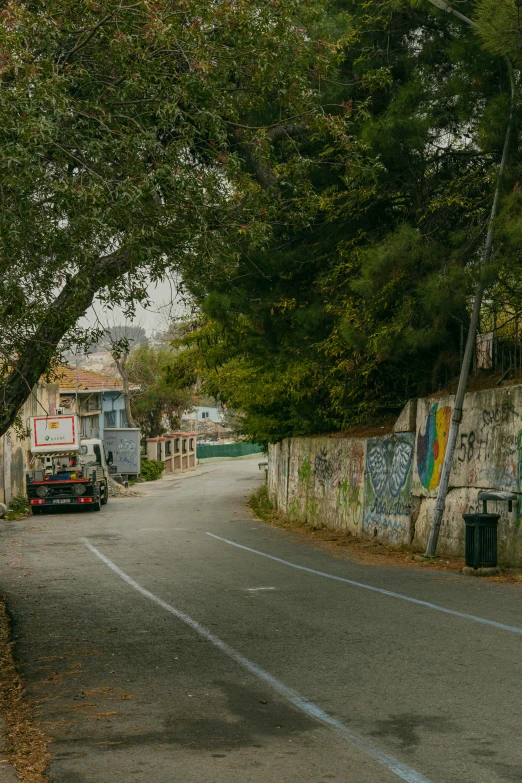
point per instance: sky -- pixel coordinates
(163, 308)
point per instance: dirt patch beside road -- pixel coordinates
(25, 745)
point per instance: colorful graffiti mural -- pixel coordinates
(387, 503)
(431, 446)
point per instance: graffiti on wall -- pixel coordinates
(330, 479)
(431, 446)
(350, 486)
(487, 453)
(387, 504)
(486, 449)
(326, 466)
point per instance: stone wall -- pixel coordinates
(385, 487)
(319, 478)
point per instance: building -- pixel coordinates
(99, 361)
(15, 454)
(97, 400)
(208, 413)
(204, 413)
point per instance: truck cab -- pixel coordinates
(92, 455)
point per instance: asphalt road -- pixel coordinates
(155, 652)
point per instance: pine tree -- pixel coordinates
(358, 304)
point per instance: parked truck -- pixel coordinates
(66, 469)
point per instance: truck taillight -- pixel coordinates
(37, 501)
(84, 500)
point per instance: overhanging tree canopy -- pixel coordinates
(343, 319)
(128, 129)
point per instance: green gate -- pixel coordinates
(206, 450)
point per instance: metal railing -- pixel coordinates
(500, 350)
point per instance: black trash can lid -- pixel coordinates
(496, 494)
(481, 519)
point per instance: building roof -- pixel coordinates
(72, 379)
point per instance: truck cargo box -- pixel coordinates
(54, 434)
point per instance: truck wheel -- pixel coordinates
(36, 511)
(105, 496)
(96, 506)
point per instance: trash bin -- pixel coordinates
(481, 530)
(481, 540)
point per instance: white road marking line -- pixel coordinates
(309, 708)
(436, 607)
(258, 589)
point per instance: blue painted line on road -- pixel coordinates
(436, 607)
(309, 708)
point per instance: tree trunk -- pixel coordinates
(128, 411)
(121, 364)
(71, 303)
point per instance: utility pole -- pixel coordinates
(472, 332)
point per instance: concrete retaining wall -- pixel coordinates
(385, 487)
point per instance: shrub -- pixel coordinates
(18, 507)
(151, 469)
(261, 505)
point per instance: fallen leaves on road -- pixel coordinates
(26, 743)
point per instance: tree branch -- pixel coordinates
(71, 303)
(86, 40)
(262, 170)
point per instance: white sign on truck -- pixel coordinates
(124, 443)
(52, 434)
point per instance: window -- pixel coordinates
(205, 415)
(176, 444)
(184, 445)
(191, 444)
(168, 447)
(123, 419)
(110, 418)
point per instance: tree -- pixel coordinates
(131, 333)
(154, 401)
(119, 340)
(131, 145)
(343, 318)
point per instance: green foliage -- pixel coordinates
(151, 469)
(499, 26)
(320, 176)
(135, 137)
(156, 401)
(261, 505)
(358, 300)
(18, 507)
